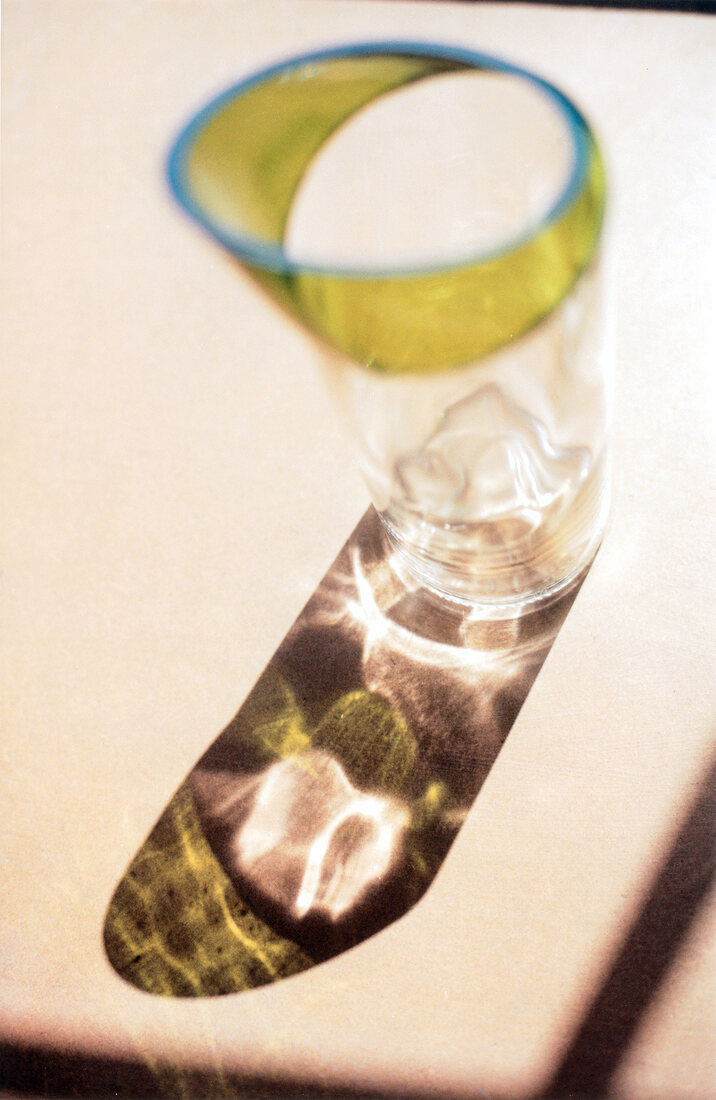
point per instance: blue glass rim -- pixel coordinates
(271, 256)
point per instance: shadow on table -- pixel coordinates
(598, 1046)
(324, 810)
(650, 946)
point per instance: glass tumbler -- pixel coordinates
(432, 216)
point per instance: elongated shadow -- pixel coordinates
(325, 809)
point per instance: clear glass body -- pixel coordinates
(491, 478)
(492, 481)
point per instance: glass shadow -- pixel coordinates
(324, 810)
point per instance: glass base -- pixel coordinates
(507, 566)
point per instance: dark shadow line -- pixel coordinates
(36, 1071)
(677, 894)
(678, 7)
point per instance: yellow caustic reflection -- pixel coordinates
(176, 925)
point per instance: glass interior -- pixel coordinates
(480, 158)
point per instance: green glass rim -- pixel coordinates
(236, 167)
(271, 256)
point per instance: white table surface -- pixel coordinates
(175, 485)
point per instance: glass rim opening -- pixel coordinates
(270, 255)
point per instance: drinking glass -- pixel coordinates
(432, 216)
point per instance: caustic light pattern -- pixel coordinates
(324, 810)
